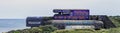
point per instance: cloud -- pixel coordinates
(24, 8)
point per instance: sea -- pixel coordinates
(12, 24)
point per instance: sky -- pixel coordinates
(25, 8)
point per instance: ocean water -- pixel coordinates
(12, 24)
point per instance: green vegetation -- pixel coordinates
(41, 29)
(115, 20)
(51, 29)
(112, 30)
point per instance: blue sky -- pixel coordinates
(24, 8)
